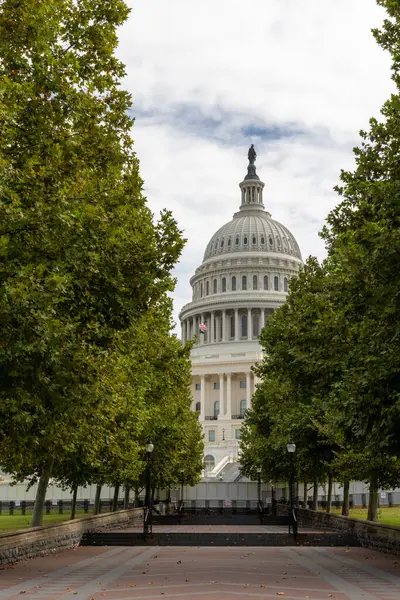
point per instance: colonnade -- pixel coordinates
(226, 325)
(225, 396)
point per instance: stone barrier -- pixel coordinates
(27, 543)
(376, 536)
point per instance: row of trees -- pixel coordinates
(331, 377)
(89, 367)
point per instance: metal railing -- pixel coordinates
(212, 418)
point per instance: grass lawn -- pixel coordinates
(18, 521)
(386, 515)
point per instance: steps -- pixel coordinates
(119, 538)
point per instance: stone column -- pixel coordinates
(229, 395)
(182, 333)
(223, 326)
(212, 328)
(201, 334)
(221, 395)
(249, 325)
(262, 324)
(202, 397)
(248, 390)
(236, 324)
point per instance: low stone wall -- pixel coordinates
(371, 535)
(27, 543)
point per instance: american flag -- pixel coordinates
(203, 327)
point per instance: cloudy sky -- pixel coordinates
(298, 78)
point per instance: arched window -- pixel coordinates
(276, 283)
(233, 284)
(265, 282)
(254, 240)
(270, 240)
(223, 284)
(229, 241)
(222, 243)
(215, 286)
(256, 326)
(207, 288)
(255, 282)
(216, 408)
(285, 284)
(201, 290)
(245, 240)
(244, 282)
(244, 326)
(237, 240)
(242, 408)
(198, 407)
(209, 462)
(262, 240)
(232, 327)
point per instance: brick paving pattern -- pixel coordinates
(205, 573)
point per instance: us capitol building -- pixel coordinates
(243, 278)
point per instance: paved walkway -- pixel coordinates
(183, 573)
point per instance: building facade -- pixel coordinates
(244, 277)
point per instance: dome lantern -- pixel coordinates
(252, 186)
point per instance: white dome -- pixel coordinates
(252, 232)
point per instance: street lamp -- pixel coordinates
(223, 434)
(182, 482)
(291, 448)
(259, 491)
(147, 499)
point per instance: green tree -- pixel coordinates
(80, 256)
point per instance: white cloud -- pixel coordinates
(301, 77)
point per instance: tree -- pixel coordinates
(80, 257)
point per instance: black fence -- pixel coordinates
(25, 507)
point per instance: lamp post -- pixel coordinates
(147, 499)
(182, 482)
(259, 492)
(291, 448)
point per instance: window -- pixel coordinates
(237, 434)
(265, 282)
(262, 240)
(201, 290)
(276, 283)
(244, 326)
(229, 242)
(209, 462)
(243, 385)
(233, 284)
(223, 284)
(242, 407)
(198, 407)
(254, 240)
(244, 282)
(216, 408)
(256, 325)
(198, 386)
(216, 385)
(270, 240)
(237, 241)
(255, 282)
(215, 286)
(245, 240)
(232, 327)
(207, 288)
(211, 435)
(222, 243)
(285, 284)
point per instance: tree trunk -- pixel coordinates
(97, 499)
(315, 495)
(73, 505)
(115, 498)
(373, 499)
(305, 495)
(126, 496)
(346, 498)
(330, 487)
(136, 497)
(38, 509)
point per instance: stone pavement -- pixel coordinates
(206, 573)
